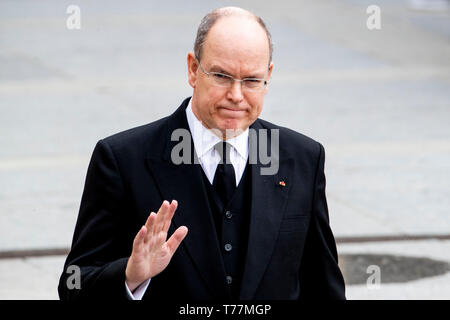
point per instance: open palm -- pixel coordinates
(151, 252)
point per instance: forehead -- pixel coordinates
(237, 43)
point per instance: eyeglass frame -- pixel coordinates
(227, 76)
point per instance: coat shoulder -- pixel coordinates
(139, 139)
(292, 142)
(148, 138)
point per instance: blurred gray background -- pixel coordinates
(378, 100)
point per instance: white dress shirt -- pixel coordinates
(204, 142)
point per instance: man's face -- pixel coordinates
(236, 46)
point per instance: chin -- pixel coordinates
(231, 124)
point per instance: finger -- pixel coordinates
(149, 224)
(138, 242)
(176, 238)
(161, 216)
(173, 207)
(150, 220)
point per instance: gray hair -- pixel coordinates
(211, 18)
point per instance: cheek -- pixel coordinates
(214, 98)
(216, 94)
(255, 106)
(208, 98)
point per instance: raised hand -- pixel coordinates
(151, 252)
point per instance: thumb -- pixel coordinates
(176, 238)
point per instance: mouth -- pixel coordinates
(227, 109)
(231, 113)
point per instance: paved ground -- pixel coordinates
(378, 101)
(37, 278)
(434, 287)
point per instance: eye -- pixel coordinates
(220, 76)
(253, 83)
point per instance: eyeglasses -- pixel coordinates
(226, 81)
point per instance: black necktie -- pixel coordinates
(224, 179)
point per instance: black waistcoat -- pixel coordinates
(232, 222)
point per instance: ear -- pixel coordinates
(192, 65)
(269, 74)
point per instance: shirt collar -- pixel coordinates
(204, 139)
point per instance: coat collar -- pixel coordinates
(184, 183)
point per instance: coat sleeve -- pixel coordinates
(320, 276)
(99, 249)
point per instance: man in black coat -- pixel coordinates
(248, 217)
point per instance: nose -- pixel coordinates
(235, 92)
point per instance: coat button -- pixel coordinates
(228, 214)
(228, 247)
(229, 279)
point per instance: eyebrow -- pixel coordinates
(217, 68)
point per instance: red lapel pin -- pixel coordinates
(282, 183)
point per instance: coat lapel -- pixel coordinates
(269, 198)
(184, 183)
